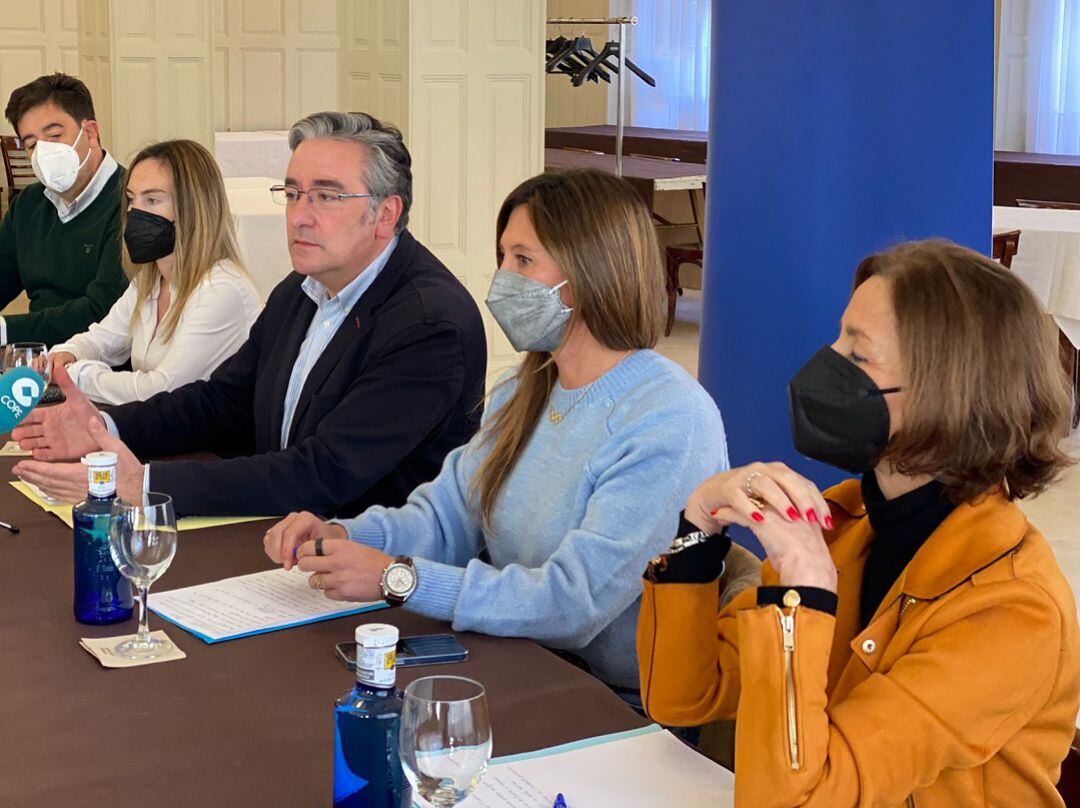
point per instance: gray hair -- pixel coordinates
(389, 164)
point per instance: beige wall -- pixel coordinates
(1010, 75)
(566, 104)
(375, 59)
(275, 61)
(147, 63)
(464, 80)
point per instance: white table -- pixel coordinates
(1048, 259)
(260, 229)
(252, 154)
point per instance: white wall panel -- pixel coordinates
(262, 88)
(1010, 103)
(303, 77)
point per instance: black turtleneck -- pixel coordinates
(900, 525)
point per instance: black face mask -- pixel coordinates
(148, 236)
(838, 415)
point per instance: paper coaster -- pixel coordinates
(101, 648)
(11, 449)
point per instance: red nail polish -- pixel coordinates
(829, 522)
(714, 511)
(792, 513)
(811, 517)
(757, 517)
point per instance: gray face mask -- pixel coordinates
(530, 313)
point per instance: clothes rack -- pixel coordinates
(621, 22)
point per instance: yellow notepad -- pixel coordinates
(63, 511)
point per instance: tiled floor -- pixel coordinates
(1056, 513)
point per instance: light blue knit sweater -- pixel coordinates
(589, 502)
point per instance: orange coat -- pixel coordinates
(962, 691)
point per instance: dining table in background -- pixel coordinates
(648, 175)
(1048, 259)
(260, 231)
(685, 145)
(253, 154)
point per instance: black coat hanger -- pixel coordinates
(611, 49)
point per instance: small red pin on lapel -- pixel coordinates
(358, 321)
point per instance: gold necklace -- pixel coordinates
(557, 418)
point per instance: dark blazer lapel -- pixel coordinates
(285, 352)
(355, 326)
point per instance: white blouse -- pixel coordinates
(213, 325)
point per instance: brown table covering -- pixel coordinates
(241, 723)
(641, 172)
(690, 146)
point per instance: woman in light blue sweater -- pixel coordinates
(540, 526)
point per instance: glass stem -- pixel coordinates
(143, 637)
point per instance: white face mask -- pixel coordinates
(57, 165)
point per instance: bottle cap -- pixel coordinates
(98, 459)
(101, 473)
(376, 635)
(376, 654)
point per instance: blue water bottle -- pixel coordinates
(367, 719)
(102, 594)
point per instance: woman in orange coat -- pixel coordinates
(913, 642)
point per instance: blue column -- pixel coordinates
(836, 128)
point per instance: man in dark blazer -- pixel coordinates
(363, 371)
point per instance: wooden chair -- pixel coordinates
(1069, 784)
(674, 258)
(17, 166)
(1005, 247)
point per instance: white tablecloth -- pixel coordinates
(1048, 259)
(252, 154)
(260, 229)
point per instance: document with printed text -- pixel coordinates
(642, 768)
(250, 604)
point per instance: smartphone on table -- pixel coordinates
(426, 649)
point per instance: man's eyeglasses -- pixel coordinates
(320, 198)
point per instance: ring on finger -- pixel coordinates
(750, 492)
(758, 502)
(320, 580)
(318, 547)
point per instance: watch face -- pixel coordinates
(400, 578)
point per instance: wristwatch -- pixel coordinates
(398, 580)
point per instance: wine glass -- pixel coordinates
(142, 542)
(31, 355)
(445, 739)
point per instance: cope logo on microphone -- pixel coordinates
(20, 391)
(26, 392)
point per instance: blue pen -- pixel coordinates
(560, 801)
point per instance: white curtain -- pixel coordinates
(1053, 77)
(670, 43)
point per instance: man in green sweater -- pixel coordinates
(60, 239)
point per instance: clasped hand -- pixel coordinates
(786, 514)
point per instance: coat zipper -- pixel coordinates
(787, 629)
(905, 601)
(911, 801)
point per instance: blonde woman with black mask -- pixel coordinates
(190, 303)
(538, 526)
